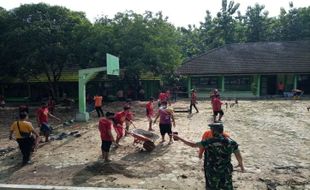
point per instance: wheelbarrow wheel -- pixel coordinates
(148, 146)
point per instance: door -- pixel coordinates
(268, 85)
(304, 83)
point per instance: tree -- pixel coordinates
(4, 15)
(294, 24)
(225, 23)
(190, 41)
(256, 22)
(144, 43)
(43, 40)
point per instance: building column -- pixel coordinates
(189, 86)
(258, 85)
(222, 83)
(295, 81)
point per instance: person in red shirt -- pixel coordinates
(193, 101)
(150, 112)
(162, 98)
(105, 129)
(42, 120)
(119, 120)
(280, 88)
(217, 108)
(207, 135)
(98, 105)
(215, 93)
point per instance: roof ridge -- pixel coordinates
(241, 43)
(271, 56)
(205, 53)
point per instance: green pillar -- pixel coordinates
(258, 85)
(295, 81)
(84, 76)
(222, 83)
(189, 85)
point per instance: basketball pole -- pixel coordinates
(86, 75)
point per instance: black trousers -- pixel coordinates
(25, 146)
(190, 107)
(99, 111)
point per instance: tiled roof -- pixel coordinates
(251, 58)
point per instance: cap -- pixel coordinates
(217, 128)
(216, 125)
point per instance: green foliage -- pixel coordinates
(144, 43)
(256, 23)
(294, 24)
(254, 26)
(42, 39)
(38, 39)
(4, 22)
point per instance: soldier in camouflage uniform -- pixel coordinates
(217, 163)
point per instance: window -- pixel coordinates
(238, 83)
(205, 83)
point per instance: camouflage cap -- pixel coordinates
(216, 125)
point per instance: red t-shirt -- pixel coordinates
(42, 115)
(104, 127)
(163, 96)
(120, 118)
(149, 109)
(194, 98)
(129, 116)
(216, 104)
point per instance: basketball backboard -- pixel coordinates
(112, 65)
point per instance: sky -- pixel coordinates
(179, 12)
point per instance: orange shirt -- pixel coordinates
(207, 135)
(98, 101)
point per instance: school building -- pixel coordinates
(250, 69)
(37, 88)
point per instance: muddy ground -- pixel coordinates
(274, 139)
